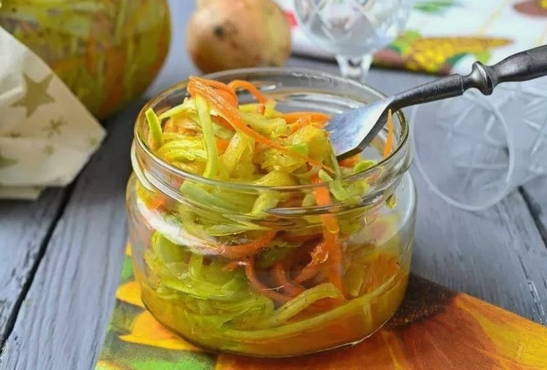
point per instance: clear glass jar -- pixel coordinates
(107, 52)
(191, 250)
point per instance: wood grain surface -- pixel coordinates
(535, 193)
(25, 228)
(63, 317)
(55, 318)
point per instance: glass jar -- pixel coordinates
(107, 52)
(195, 239)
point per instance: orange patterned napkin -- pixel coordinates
(434, 328)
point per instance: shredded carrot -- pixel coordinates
(170, 126)
(299, 123)
(257, 284)
(300, 238)
(232, 115)
(220, 86)
(247, 249)
(319, 256)
(330, 236)
(293, 127)
(318, 124)
(308, 272)
(222, 144)
(280, 276)
(229, 98)
(241, 84)
(260, 108)
(313, 116)
(351, 161)
(232, 265)
(157, 201)
(221, 121)
(389, 140)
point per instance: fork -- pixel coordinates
(352, 131)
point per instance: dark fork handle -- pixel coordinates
(522, 66)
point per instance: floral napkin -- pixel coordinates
(46, 134)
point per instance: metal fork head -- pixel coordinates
(351, 131)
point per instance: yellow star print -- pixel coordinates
(35, 94)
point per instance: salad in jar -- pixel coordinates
(107, 52)
(265, 246)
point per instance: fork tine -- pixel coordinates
(350, 132)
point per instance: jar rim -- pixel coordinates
(391, 158)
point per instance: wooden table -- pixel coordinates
(60, 257)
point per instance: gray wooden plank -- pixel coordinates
(23, 227)
(497, 255)
(63, 318)
(535, 193)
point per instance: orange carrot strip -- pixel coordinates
(313, 116)
(222, 144)
(260, 108)
(308, 272)
(258, 286)
(232, 265)
(330, 237)
(219, 86)
(319, 256)
(389, 140)
(228, 97)
(301, 122)
(247, 249)
(241, 84)
(157, 201)
(170, 126)
(231, 114)
(350, 162)
(318, 124)
(221, 121)
(281, 279)
(300, 238)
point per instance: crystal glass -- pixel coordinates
(269, 304)
(484, 146)
(352, 29)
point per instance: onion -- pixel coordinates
(226, 34)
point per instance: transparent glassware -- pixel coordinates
(352, 29)
(192, 284)
(484, 146)
(107, 52)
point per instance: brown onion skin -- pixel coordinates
(227, 34)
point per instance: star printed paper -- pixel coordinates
(46, 134)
